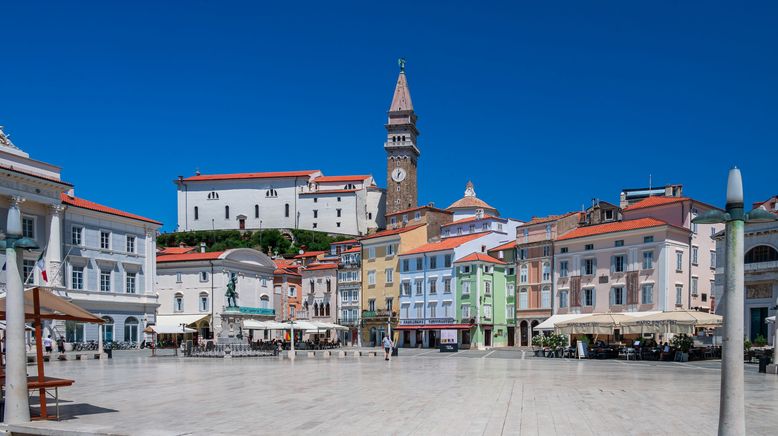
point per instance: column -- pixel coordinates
(54, 247)
(17, 405)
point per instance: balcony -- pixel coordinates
(348, 322)
(377, 314)
(426, 321)
(759, 266)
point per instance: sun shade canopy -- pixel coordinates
(52, 307)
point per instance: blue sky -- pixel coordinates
(544, 106)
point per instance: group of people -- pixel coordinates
(48, 344)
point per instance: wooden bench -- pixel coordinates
(44, 387)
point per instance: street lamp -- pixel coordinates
(17, 404)
(731, 402)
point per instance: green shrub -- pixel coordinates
(760, 341)
(746, 344)
(682, 342)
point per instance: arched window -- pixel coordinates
(286, 210)
(108, 329)
(131, 329)
(196, 213)
(256, 211)
(213, 195)
(327, 309)
(204, 303)
(761, 253)
(226, 212)
(178, 302)
(315, 309)
(264, 302)
(523, 274)
(350, 186)
(545, 297)
(546, 271)
(271, 193)
(523, 298)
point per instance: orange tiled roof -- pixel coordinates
(213, 255)
(329, 191)
(480, 257)
(413, 209)
(350, 241)
(270, 175)
(444, 244)
(86, 204)
(356, 249)
(309, 254)
(618, 226)
(321, 266)
(473, 218)
(655, 201)
(334, 179)
(391, 232)
(545, 219)
(506, 246)
(175, 250)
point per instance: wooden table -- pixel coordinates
(44, 387)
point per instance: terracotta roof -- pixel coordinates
(321, 266)
(175, 250)
(655, 201)
(281, 262)
(329, 191)
(270, 175)
(86, 204)
(309, 254)
(31, 174)
(545, 219)
(470, 203)
(350, 241)
(444, 244)
(287, 271)
(506, 246)
(618, 226)
(413, 209)
(472, 218)
(334, 179)
(392, 232)
(356, 249)
(213, 255)
(480, 257)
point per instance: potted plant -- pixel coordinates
(760, 341)
(747, 349)
(537, 344)
(561, 343)
(682, 343)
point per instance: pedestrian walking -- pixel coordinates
(47, 344)
(60, 344)
(388, 345)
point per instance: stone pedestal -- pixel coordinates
(230, 327)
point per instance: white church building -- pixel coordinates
(309, 200)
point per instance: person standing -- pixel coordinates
(388, 345)
(47, 344)
(60, 345)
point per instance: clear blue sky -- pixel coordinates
(543, 106)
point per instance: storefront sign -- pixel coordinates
(448, 341)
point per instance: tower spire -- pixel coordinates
(401, 101)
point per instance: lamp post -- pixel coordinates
(17, 404)
(731, 401)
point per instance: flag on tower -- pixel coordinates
(41, 264)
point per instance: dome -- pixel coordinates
(470, 201)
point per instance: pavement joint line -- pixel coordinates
(426, 352)
(488, 354)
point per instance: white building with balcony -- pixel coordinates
(349, 290)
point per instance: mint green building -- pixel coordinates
(481, 293)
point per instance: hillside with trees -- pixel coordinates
(262, 240)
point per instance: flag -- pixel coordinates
(41, 264)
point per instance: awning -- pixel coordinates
(171, 324)
(301, 325)
(328, 326)
(551, 321)
(52, 306)
(672, 321)
(26, 326)
(436, 327)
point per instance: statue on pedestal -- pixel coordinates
(232, 295)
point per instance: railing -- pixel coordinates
(426, 321)
(760, 266)
(376, 313)
(348, 321)
(234, 350)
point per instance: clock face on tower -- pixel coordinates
(398, 175)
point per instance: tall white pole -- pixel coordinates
(732, 403)
(17, 405)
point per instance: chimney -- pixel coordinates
(181, 244)
(202, 247)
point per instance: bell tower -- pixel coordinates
(402, 154)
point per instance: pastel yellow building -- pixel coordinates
(381, 278)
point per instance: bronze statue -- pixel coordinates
(232, 295)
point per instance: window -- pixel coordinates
(292, 291)
(338, 199)
(563, 299)
(488, 269)
(472, 228)
(371, 277)
(447, 261)
(619, 243)
(433, 262)
(74, 331)
(271, 193)
(419, 264)
(105, 240)
(264, 302)
(465, 288)
(131, 329)
(433, 312)
(548, 231)
(419, 285)
(485, 226)
(390, 250)
(447, 285)
(196, 213)
(405, 218)
(405, 289)
(226, 212)
(487, 288)
(648, 260)
(523, 274)
(526, 235)
(546, 271)
(433, 286)
(76, 235)
(546, 250)
(488, 311)
(713, 259)
(694, 225)
(465, 311)
(130, 244)
(286, 210)
(511, 271)
(589, 267)
(178, 302)
(28, 267)
(695, 254)
(105, 280)
(617, 263)
(108, 329)
(204, 306)
(695, 280)
(761, 253)
(28, 227)
(77, 277)
(647, 296)
(406, 264)
(393, 220)
(371, 253)
(371, 304)
(588, 297)
(563, 268)
(338, 212)
(256, 211)
(213, 195)
(131, 281)
(704, 297)
(522, 253)
(679, 261)
(315, 213)
(291, 311)
(417, 216)
(563, 250)
(648, 239)
(388, 304)
(545, 297)
(203, 276)
(523, 298)
(510, 311)
(617, 296)
(389, 275)
(588, 247)
(678, 295)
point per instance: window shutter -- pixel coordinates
(613, 296)
(594, 266)
(594, 297)
(613, 264)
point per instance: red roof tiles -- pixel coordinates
(413, 209)
(309, 254)
(86, 204)
(392, 232)
(335, 179)
(175, 250)
(506, 246)
(329, 191)
(213, 255)
(618, 226)
(655, 201)
(444, 244)
(480, 257)
(321, 266)
(473, 218)
(356, 249)
(545, 219)
(270, 175)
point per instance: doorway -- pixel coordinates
(758, 324)
(511, 339)
(433, 339)
(242, 224)
(488, 337)
(524, 333)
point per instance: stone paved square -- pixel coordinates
(422, 392)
